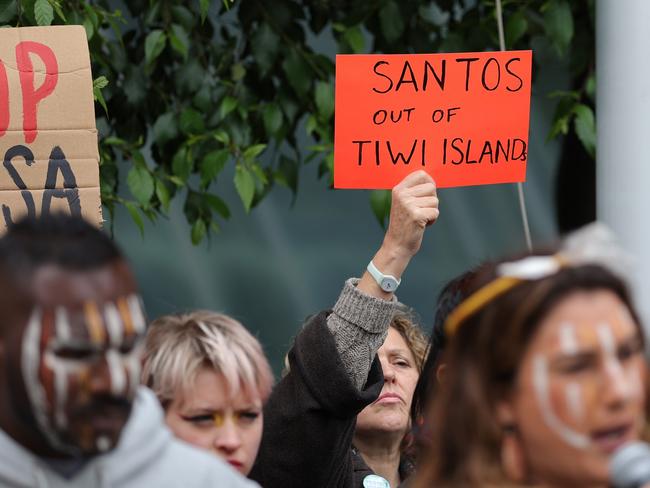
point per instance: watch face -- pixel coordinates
(389, 284)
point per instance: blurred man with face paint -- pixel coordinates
(71, 331)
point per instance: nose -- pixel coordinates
(108, 375)
(618, 386)
(389, 371)
(227, 439)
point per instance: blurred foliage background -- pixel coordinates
(185, 89)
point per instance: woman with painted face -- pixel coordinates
(356, 365)
(545, 377)
(212, 378)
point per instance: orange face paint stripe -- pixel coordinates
(123, 307)
(94, 323)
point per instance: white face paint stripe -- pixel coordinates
(62, 325)
(61, 392)
(574, 400)
(137, 315)
(117, 373)
(540, 381)
(114, 324)
(612, 364)
(132, 361)
(30, 365)
(568, 341)
(606, 339)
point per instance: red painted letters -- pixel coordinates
(31, 95)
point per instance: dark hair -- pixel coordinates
(453, 293)
(484, 356)
(63, 240)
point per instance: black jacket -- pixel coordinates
(310, 417)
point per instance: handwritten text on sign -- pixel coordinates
(461, 117)
(48, 139)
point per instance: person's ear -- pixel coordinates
(441, 373)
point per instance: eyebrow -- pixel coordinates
(593, 352)
(399, 350)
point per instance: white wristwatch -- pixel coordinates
(388, 283)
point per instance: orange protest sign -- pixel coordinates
(461, 117)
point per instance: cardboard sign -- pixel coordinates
(48, 138)
(461, 117)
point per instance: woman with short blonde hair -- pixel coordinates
(212, 377)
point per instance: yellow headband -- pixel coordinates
(528, 269)
(477, 300)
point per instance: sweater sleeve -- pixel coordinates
(310, 417)
(359, 325)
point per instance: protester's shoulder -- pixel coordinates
(201, 468)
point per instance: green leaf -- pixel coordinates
(91, 14)
(182, 164)
(516, 27)
(198, 231)
(99, 98)
(287, 173)
(238, 72)
(354, 37)
(222, 136)
(179, 40)
(265, 46)
(272, 119)
(562, 117)
(380, 203)
(217, 204)
(325, 99)
(191, 122)
(114, 141)
(260, 174)
(585, 127)
(184, 17)
(228, 104)
(135, 215)
(433, 14)
(254, 151)
(176, 181)
(162, 192)
(311, 125)
(204, 5)
(392, 23)
(298, 72)
(8, 9)
(154, 45)
(100, 82)
(164, 128)
(141, 184)
(558, 23)
(245, 185)
(212, 164)
(43, 12)
(59, 12)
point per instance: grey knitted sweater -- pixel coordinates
(359, 324)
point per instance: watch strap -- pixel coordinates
(380, 277)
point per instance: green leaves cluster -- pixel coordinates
(203, 85)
